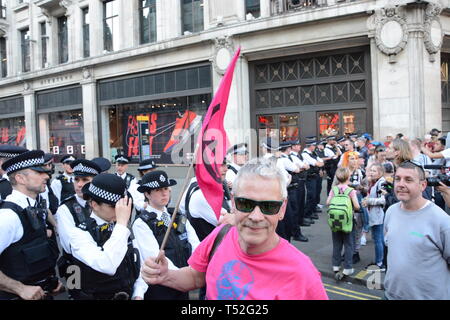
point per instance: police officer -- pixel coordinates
(199, 212)
(27, 255)
(7, 152)
(320, 152)
(121, 169)
(301, 190)
(150, 228)
(333, 153)
(312, 177)
(102, 248)
(288, 227)
(145, 166)
(62, 186)
(238, 155)
(74, 212)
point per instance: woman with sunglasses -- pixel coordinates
(252, 262)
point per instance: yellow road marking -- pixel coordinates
(361, 274)
(351, 291)
(347, 295)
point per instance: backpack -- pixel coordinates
(340, 211)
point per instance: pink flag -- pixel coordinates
(213, 143)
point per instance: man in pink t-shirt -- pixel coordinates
(252, 261)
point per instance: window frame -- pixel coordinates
(195, 27)
(63, 39)
(85, 31)
(105, 18)
(151, 25)
(25, 49)
(3, 58)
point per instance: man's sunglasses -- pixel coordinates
(266, 207)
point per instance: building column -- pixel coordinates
(129, 20)
(96, 28)
(90, 118)
(169, 19)
(265, 8)
(406, 82)
(29, 101)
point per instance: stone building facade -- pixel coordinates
(93, 77)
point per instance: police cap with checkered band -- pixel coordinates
(155, 180)
(8, 151)
(85, 168)
(33, 160)
(105, 188)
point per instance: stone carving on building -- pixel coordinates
(223, 52)
(391, 31)
(68, 5)
(433, 34)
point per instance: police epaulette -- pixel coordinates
(147, 216)
(68, 199)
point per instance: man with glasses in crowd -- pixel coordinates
(417, 233)
(252, 261)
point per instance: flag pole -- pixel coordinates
(177, 206)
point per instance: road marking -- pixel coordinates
(361, 274)
(351, 291)
(347, 295)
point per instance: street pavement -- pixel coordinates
(320, 248)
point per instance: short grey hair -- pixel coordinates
(265, 168)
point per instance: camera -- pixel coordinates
(433, 180)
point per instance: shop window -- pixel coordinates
(12, 131)
(280, 127)
(66, 133)
(156, 129)
(341, 122)
(328, 124)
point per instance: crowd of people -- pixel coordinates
(100, 234)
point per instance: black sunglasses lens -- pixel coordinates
(244, 205)
(266, 207)
(270, 207)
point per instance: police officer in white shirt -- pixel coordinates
(270, 148)
(238, 155)
(150, 228)
(7, 152)
(74, 211)
(102, 248)
(145, 166)
(121, 169)
(312, 177)
(27, 254)
(62, 186)
(286, 163)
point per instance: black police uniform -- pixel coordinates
(5, 188)
(178, 250)
(312, 178)
(202, 227)
(67, 188)
(96, 285)
(331, 167)
(301, 194)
